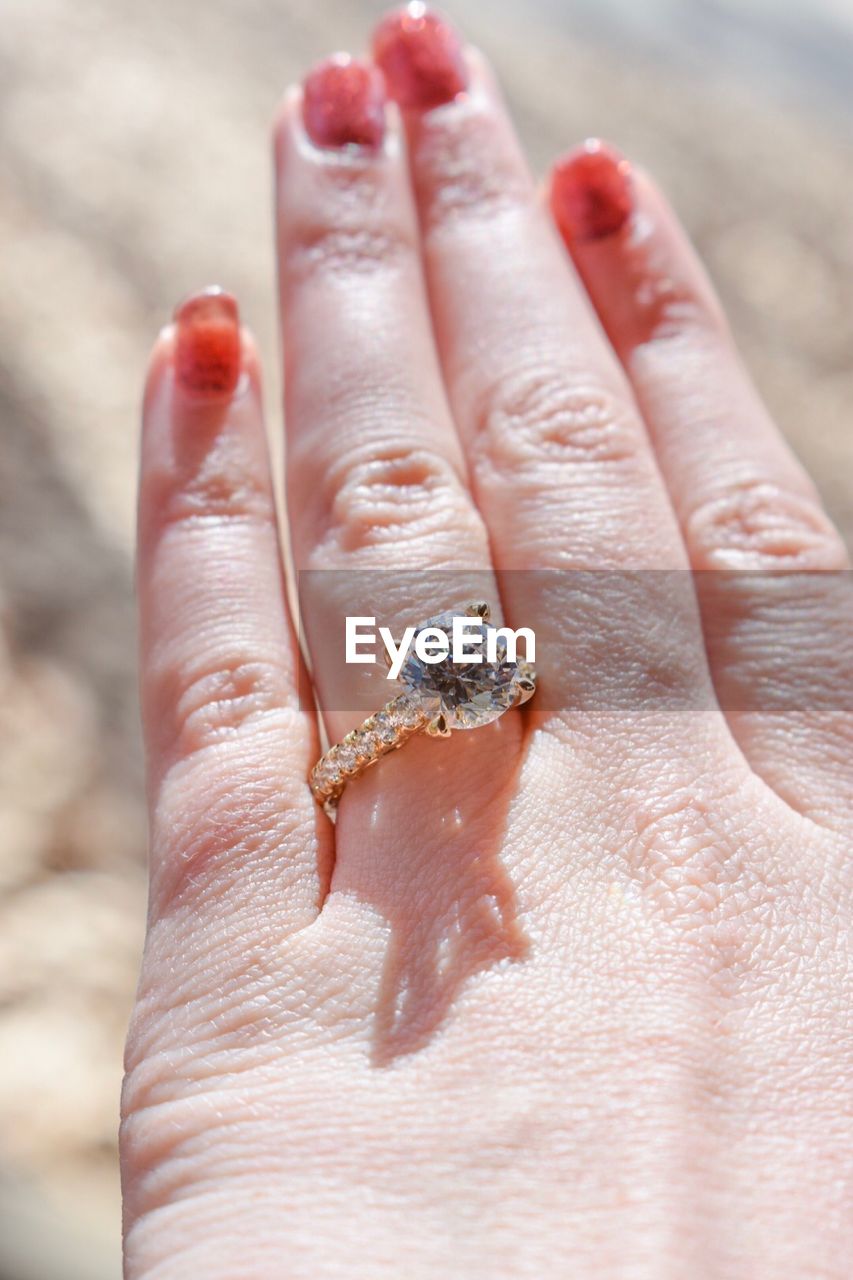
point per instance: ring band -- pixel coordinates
(385, 731)
(437, 698)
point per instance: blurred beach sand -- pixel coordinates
(134, 169)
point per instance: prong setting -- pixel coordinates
(526, 689)
(479, 609)
(526, 684)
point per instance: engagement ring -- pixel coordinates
(439, 695)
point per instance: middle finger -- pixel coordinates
(561, 466)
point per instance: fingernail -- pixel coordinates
(207, 343)
(343, 104)
(420, 56)
(591, 192)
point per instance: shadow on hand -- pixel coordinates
(419, 839)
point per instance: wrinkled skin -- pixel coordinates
(567, 996)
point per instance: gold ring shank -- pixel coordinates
(383, 732)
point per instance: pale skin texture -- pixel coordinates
(565, 997)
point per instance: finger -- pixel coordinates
(560, 464)
(777, 623)
(375, 475)
(227, 745)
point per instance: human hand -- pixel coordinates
(567, 995)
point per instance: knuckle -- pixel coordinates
(217, 701)
(641, 653)
(221, 489)
(351, 246)
(668, 309)
(402, 493)
(536, 418)
(469, 193)
(220, 701)
(465, 173)
(676, 852)
(699, 878)
(758, 525)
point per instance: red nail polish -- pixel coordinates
(591, 192)
(207, 343)
(343, 104)
(421, 57)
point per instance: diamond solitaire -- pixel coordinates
(466, 694)
(440, 695)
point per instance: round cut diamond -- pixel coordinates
(467, 694)
(367, 742)
(325, 774)
(410, 710)
(346, 755)
(383, 727)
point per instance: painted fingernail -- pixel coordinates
(420, 56)
(591, 192)
(207, 343)
(343, 104)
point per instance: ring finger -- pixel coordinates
(375, 475)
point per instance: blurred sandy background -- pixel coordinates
(134, 168)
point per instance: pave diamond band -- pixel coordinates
(385, 731)
(438, 697)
